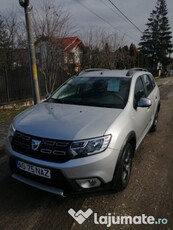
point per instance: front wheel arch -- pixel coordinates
(131, 140)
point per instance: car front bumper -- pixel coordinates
(65, 175)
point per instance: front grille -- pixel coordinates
(41, 148)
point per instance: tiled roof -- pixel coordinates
(71, 42)
(68, 43)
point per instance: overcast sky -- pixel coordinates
(137, 11)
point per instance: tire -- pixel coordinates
(155, 122)
(123, 170)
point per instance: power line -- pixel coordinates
(125, 16)
(113, 10)
(91, 11)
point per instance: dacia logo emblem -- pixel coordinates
(35, 144)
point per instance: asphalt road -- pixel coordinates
(150, 190)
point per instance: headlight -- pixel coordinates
(11, 132)
(89, 147)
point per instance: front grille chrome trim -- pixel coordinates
(46, 151)
(51, 143)
(62, 144)
(59, 153)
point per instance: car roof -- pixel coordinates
(127, 73)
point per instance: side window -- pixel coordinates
(148, 84)
(139, 89)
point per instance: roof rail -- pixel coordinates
(92, 69)
(133, 70)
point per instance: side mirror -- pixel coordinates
(48, 95)
(144, 102)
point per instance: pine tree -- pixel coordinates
(156, 40)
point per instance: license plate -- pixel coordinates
(42, 172)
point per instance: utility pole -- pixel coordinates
(31, 51)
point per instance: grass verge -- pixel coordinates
(9, 114)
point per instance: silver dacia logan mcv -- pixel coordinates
(84, 136)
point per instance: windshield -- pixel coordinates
(111, 92)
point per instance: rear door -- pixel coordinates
(151, 94)
(140, 115)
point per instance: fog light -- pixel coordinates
(89, 183)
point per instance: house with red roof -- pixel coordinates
(69, 50)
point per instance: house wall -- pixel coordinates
(74, 57)
(77, 52)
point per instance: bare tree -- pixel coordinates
(50, 19)
(51, 23)
(15, 44)
(101, 47)
(10, 24)
(11, 55)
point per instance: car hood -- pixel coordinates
(64, 121)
